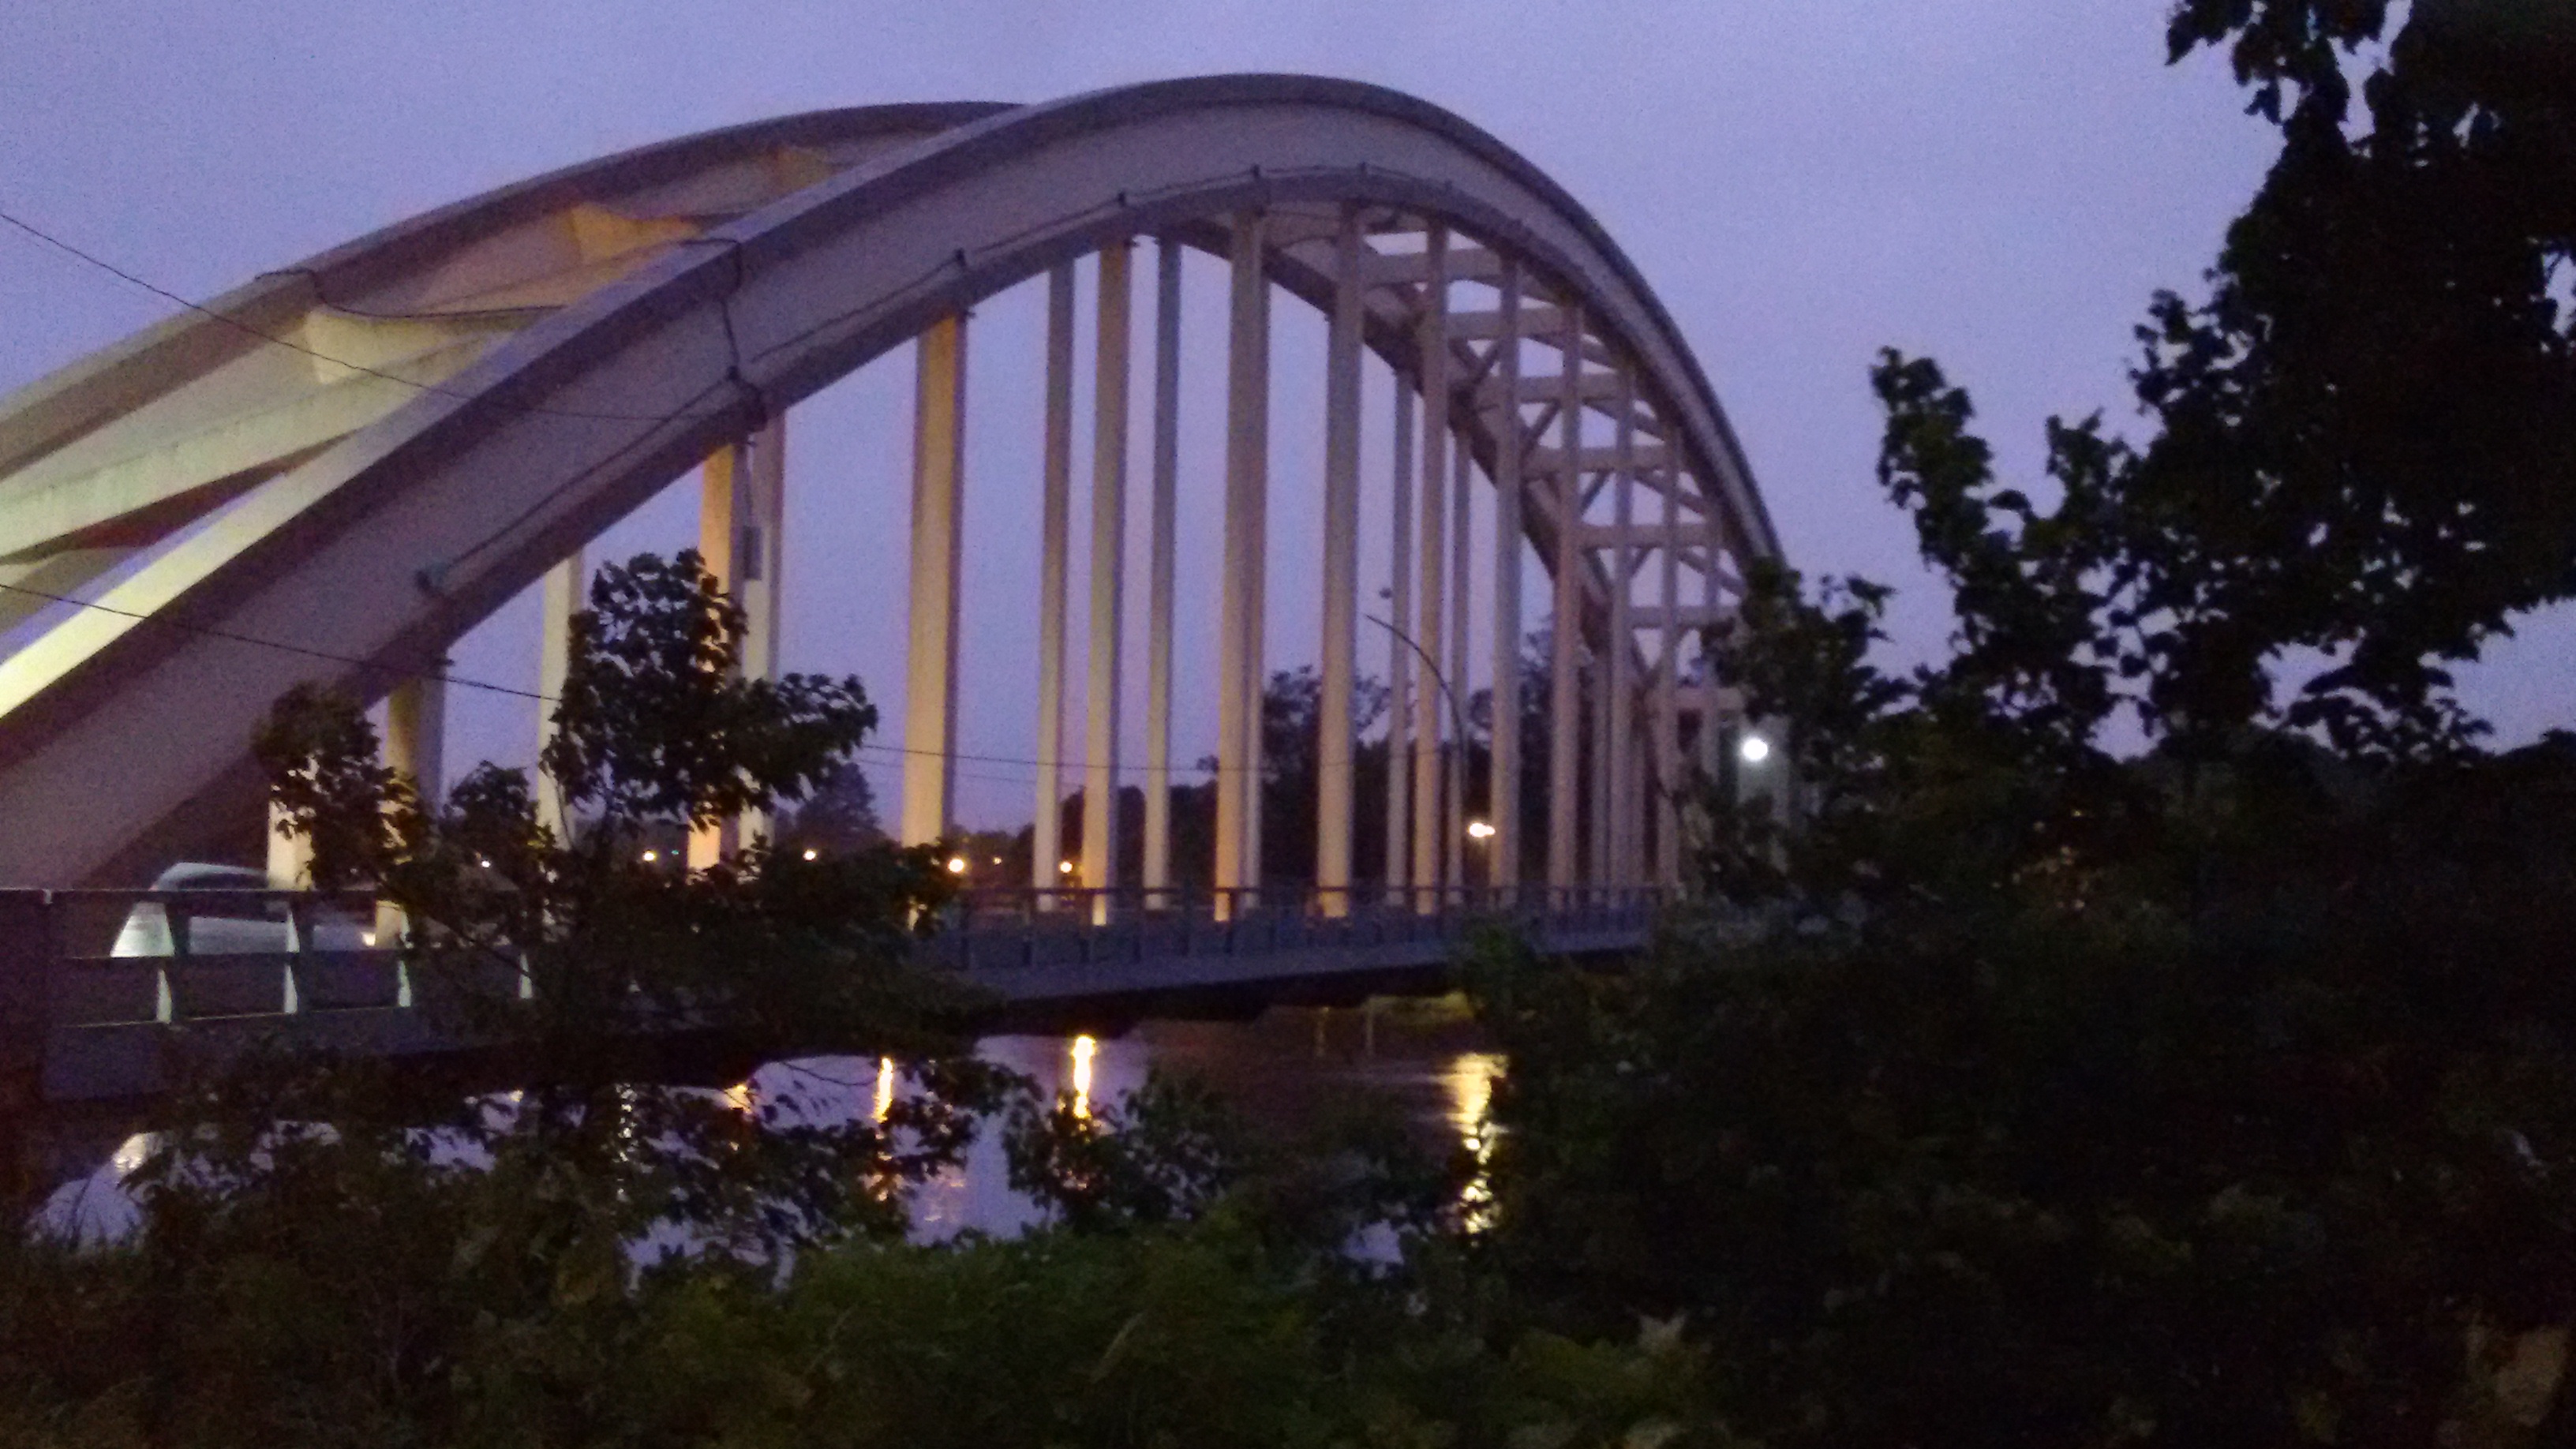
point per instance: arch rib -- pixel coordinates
(839, 238)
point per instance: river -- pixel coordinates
(1278, 1070)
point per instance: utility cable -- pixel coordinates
(51, 240)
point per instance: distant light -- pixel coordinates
(811, 852)
(997, 860)
(1064, 867)
(651, 856)
(487, 865)
(367, 938)
(1754, 750)
(1479, 830)
(956, 865)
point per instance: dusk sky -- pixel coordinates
(1998, 183)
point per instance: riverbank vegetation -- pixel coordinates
(2149, 1023)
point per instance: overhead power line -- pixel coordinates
(460, 681)
(238, 325)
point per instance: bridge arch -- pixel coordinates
(416, 427)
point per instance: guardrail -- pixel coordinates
(1000, 929)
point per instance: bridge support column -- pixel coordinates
(563, 599)
(1108, 573)
(1333, 777)
(1719, 768)
(416, 746)
(938, 531)
(1596, 759)
(1634, 866)
(1401, 693)
(290, 860)
(416, 734)
(738, 518)
(1564, 699)
(1668, 733)
(723, 513)
(1503, 789)
(1620, 804)
(1716, 719)
(1462, 578)
(1596, 803)
(1239, 667)
(759, 582)
(1046, 851)
(1158, 635)
(1435, 475)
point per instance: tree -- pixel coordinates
(412, 1256)
(1291, 720)
(2020, 1093)
(2367, 428)
(840, 815)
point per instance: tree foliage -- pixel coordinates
(2012, 1090)
(2367, 428)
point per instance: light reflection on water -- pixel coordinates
(886, 1079)
(1278, 1070)
(1083, 1050)
(1470, 1080)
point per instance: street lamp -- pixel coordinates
(1456, 762)
(1457, 716)
(1754, 750)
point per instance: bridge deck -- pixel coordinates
(83, 1026)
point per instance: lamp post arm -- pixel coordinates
(1457, 716)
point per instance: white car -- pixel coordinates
(226, 928)
(229, 926)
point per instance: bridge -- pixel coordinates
(333, 472)
(95, 1034)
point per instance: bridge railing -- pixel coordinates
(998, 929)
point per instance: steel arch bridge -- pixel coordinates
(336, 470)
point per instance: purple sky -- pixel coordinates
(1997, 183)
